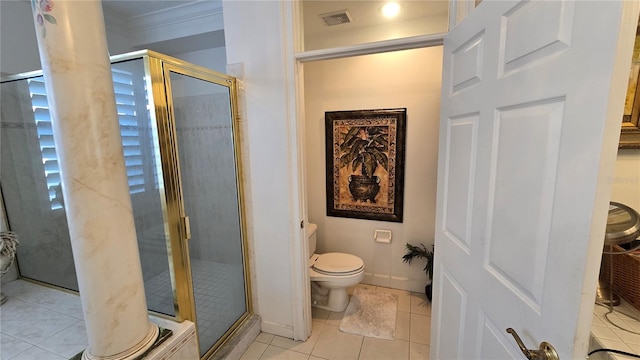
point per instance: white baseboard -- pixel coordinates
(395, 282)
(277, 329)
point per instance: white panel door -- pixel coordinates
(531, 105)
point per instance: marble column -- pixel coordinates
(75, 60)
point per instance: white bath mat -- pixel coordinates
(372, 314)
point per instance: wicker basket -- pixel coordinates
(626, 275)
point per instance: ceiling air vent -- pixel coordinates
(336, 18)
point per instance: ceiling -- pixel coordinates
(167, 26)
(416, 17)
(367, 13)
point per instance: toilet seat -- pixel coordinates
(337, 264)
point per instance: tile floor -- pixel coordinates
(611, 336)
(413, 330)
(34, 317)
(39, 322)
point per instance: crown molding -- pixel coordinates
(176, 15)
(184, 20)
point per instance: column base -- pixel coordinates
(133, 353)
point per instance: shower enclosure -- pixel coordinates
(180, 141)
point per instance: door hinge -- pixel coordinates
(302, 224)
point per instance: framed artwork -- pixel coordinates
(365, 163)
(630, 133)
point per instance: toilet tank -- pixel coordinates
(312, 230)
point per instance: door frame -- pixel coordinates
(296, 58)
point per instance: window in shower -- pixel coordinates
(129, 129)
(31, 182)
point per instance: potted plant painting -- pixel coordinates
(421, 252)
(364, 148)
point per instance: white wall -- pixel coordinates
(18, 47)
(408, 79)
(255, 38)
(214, 59)
(118, 41)
(626, 179)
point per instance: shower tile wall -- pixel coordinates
(211, 175)
(45, 249)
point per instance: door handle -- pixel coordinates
(545, 352)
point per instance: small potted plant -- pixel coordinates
(421, 252)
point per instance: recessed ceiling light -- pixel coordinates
(391, 10)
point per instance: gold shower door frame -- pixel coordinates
(157, 69)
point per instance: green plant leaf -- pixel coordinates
(356, 162)
(373, 130)
(379, 141)
(380, 157)
(420, 252)
(353, 131)
(369, 165)
(344, 160)
(349, 142)
(357, 147)
(50, 18)
(350, 136)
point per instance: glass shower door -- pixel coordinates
(204, 131)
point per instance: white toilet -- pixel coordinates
(331, 274)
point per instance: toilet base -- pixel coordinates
(336, 300)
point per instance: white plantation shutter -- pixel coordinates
(42, 117)
(149, 135)
(129, 129)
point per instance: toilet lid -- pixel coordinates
(338, 263)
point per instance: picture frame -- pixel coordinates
(365, 157)
(630, 132)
